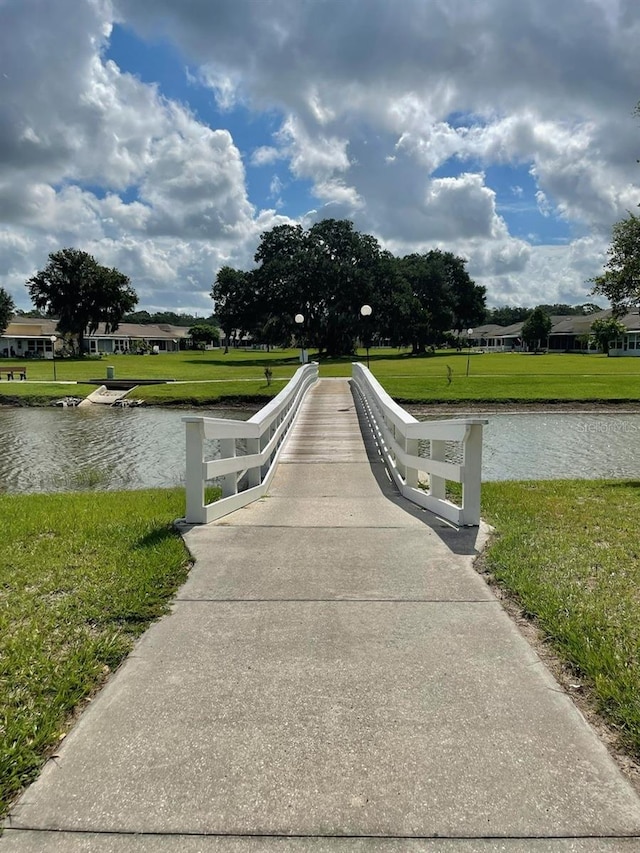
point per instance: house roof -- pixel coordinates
(47, 327)
(143, 331)
(512, 331)
(579, 324)
(490, 330)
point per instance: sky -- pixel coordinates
(165, 136)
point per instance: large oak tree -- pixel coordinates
(81, 294)
(327, 273)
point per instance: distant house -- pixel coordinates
(569, 333)
(488, 337)
(628, 344)
(236, 339)
(129, 337)
(494, 338)
(30, 337)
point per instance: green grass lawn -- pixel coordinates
(81, 576)
(210, 377)
(188, 365)
(568, 550)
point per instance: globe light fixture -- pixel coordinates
(53, 340)
(469, 333)
(366, 312)
(299, 318)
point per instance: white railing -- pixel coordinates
(245, 471)
(399, 435)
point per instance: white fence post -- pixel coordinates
(412, 446)
(229, 481)
(472, 476)
(195, 511)
(438, 485)
(254, 475)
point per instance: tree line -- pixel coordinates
(325, 274)
(507, 315)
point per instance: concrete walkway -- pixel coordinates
(334, 676)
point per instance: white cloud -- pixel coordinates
(276, 186)
(336, 191)
(543, 203)
(313, 155)
(265, 155)
(90, 125)
(224, 85)
(371, 103)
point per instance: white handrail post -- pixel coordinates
(471, 484)
(438, 485)
(229, 481)
(195, 509)
(254, 475)
(412, 448)
(400, 466)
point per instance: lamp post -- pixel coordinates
(53, 340)
(299, 318)
(469, 333)
(366, 312)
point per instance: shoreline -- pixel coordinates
(415, 408)
(557, 407)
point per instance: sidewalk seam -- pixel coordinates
(337, 836)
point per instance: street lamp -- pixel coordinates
(53, 340)
(299, 318)
(469, 333)
(366, 311)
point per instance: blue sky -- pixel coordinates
(158, 62)
(167, 136)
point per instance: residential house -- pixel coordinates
(628, 344)
(130, 337)
(569, 333)
(488, 337)
(30, 337)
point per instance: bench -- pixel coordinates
(13, 372)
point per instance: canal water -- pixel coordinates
(541, 446)
(53, 449)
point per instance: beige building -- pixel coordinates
(29, 337)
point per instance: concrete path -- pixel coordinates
(334, 676)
